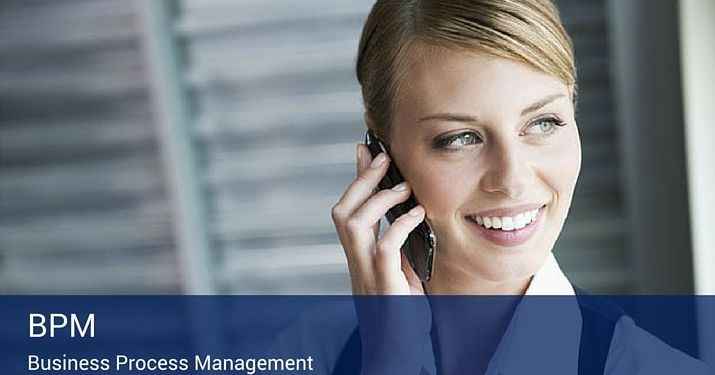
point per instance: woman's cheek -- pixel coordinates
(442, 191)
(561, 164)
(568, 160)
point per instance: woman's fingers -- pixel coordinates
(377, 206)
(375, 263)
(362, 187)
(352, 230)
(360, 228)
(389, 245)
(363, 158)
(356, 236)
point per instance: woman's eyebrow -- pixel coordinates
(541, 103)
(458, 117)
(454, 117)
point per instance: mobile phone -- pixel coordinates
(420, 245)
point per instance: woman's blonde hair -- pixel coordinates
(528, 31)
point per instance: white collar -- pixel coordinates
(538, 342)
(549, 280)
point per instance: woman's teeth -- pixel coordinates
(507, 223)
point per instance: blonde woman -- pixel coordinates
(474, 100)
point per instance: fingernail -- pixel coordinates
(400, 187)
(417, 211)
(358, 154)
(379, 159)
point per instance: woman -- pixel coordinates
(475, 101)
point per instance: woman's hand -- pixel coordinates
(394, 330)
(376, 264)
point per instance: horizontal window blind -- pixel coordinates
(82, 197)
(278, 114)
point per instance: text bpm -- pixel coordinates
(59, 322)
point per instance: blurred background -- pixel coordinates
(196, 146)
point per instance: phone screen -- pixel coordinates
(419, 247)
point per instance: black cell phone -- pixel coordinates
(420, 245)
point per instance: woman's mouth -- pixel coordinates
(506, 231)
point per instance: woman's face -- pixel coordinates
(486, 141)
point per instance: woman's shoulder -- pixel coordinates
(636, 351)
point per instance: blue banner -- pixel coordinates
(356, 335)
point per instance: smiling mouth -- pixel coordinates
(507, 223)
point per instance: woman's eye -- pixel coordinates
(457, 141)
(544, 126)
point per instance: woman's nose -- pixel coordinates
(507, 171)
